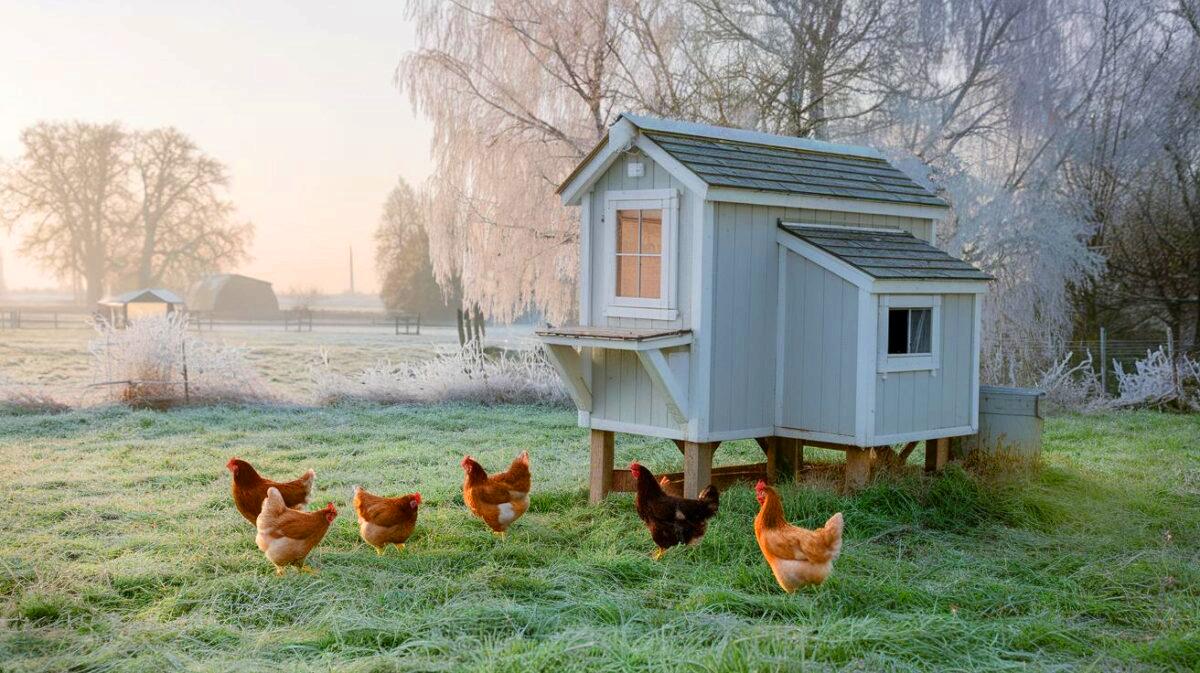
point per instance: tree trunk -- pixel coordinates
(479, 330)
(462, 332)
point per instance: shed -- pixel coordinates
(741, 285)
(233, 296)
(122, 309)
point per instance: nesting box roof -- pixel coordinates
(888, 254)
(740, 159)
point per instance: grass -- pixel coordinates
(121, 550)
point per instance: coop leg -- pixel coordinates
(697, 467)
(785, 457)
(858, 468)
(937, 453)
(602, 465)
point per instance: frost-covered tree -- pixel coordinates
(402, 256)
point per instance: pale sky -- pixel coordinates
(296, 98)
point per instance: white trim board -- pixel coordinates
(673, 341)
(845, 205)
(919, 435)
(638, 429)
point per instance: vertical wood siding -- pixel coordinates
(921, 400)
(820, 347)
(621, 389)
(745, 269)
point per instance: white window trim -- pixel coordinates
(910, 363)
(666, 307)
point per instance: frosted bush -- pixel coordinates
(143, 366)
(1075, 387)
(464, 375)
(1157, 382)
(23, 399)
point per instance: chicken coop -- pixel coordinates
(741, 285)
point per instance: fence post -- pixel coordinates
(1103, 362)
(418, 323)
(187, 395)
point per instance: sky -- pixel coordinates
(297, 99)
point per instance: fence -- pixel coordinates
(25, 318)
(301, 320)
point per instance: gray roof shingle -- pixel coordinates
(887, 254)
(727, 163)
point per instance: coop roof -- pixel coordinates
(886, 254)
(746, 160)
(145, 295)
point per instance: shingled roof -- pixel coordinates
(888, 254)
(740, 159)
(725, 163)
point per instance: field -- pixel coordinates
(57, 361)
(120, 550)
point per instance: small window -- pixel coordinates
(909, 337)
(641, 232)
(910, 331)
(639, 253)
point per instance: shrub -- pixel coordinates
(464, 375)
(154, 363)
(16, 398)
(1157, 382)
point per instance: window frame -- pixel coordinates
(665, 307)
(910, 362)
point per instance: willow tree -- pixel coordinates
(518, 92)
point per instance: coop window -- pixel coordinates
(639, 253)
(909, 331)
(641, 232)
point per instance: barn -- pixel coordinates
(233, 296)
(122, 309)
(740, 285)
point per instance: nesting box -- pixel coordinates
(741, 285)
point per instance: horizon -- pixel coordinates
(312, 149)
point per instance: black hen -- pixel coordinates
(671, 520)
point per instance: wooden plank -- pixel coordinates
(678, 444)
(697, 467)
(601, 481)
(937, 454)
(908, 449)
(858, 469)
(655, 364)
(623, 481)
(568, 364)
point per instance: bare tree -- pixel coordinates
(69, 191)
(182, 224)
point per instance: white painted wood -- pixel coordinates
(672, 341)
(664, 307)
(781, 329)
(930, 286)
(801, 433)
(864, 381)
(976, 344)
(567, 363)
(910, 363)
(585, 292)
(839, 227)
(733, 435)
(665, 380)
(703, 225)
(638, 429)
(919, 435)
(844, 205)
(682, 173)
(829, 262)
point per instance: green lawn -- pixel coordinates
(121, 550)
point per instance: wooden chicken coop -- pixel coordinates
(739, 285)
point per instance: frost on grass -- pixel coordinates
(464, 375)
(18, 398)
(155, 363)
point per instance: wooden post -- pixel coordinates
(858, 468)
(697, 467)
(600, 484)
(785, 457)
(937, 453)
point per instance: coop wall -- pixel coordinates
(908, 403)
(745, 296)
(623, 396)
(818, 350)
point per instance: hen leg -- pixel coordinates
(379, 551)
(658, 554)
(499, 533)
(400, 546)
